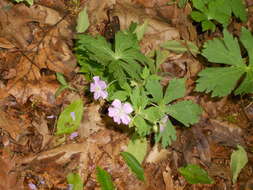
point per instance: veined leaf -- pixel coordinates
(134, 165)
(104, 179)
(154, 87)
(176, 89)
(222, 80)
(239, 9)
(142, 126)
(195, 174)
(187, 112)
(75, 180)
(238, 160)
(70, 118)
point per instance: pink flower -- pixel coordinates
(73, 135)
(98, 87)
(120, 112)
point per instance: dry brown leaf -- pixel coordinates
(156, 155)
(157, 32)
(91, 122)
(169, 182)
(11, 125)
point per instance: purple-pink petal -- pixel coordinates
(92, 87)
(102, 84)
(127, 108)
(96, 79)
(117, 103)
(125, 119)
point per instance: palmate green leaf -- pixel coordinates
(137, 146)
(166, 136)
(219, 81)
(134, 165)
(226, 51)
(176, 89)
(120, 95)
(66, 124)
(222, 81)
(75, 180)
(97, 47)
(187, 112)
(195, 174)
(82, 21)
(198, 16)
(104, 179)
(238, 160)
(239, 9)
(138, 99)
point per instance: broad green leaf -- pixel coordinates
(145, 73)
(167, 135)
(239, 9)
(180, 46)
(142, 127)
(61, 79)
(220, 81)
(75, 180)
(70, 118)
(137, 146)
(208, 25)
(187, 112)
(134, 165)
(104, 179)
(200, 5)
(176, 89)
(226, 51)
(195, 174)
(82, 21)
(238, 161)
(154, 87)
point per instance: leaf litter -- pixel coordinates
(37, 43)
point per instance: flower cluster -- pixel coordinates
(118, 111)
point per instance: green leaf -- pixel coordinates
(238, 161)
(166, 136)
(75, 180)
(141, 126)
(227, 51)
(182, 3)
(137, 146)
(61, 79)
(120, 95)
(152, 114)
(104, 179)
(176, 89)
(247, 40)
(134, 165)
(145, 73)
(195, 174)
(180, 46)
(141, 29)
(239, 9)
(187, 112)
(154, 87)
(208, 25)
(219, 81)
(82, 21)
(66, 124)
(198, 16)
(160, 58)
